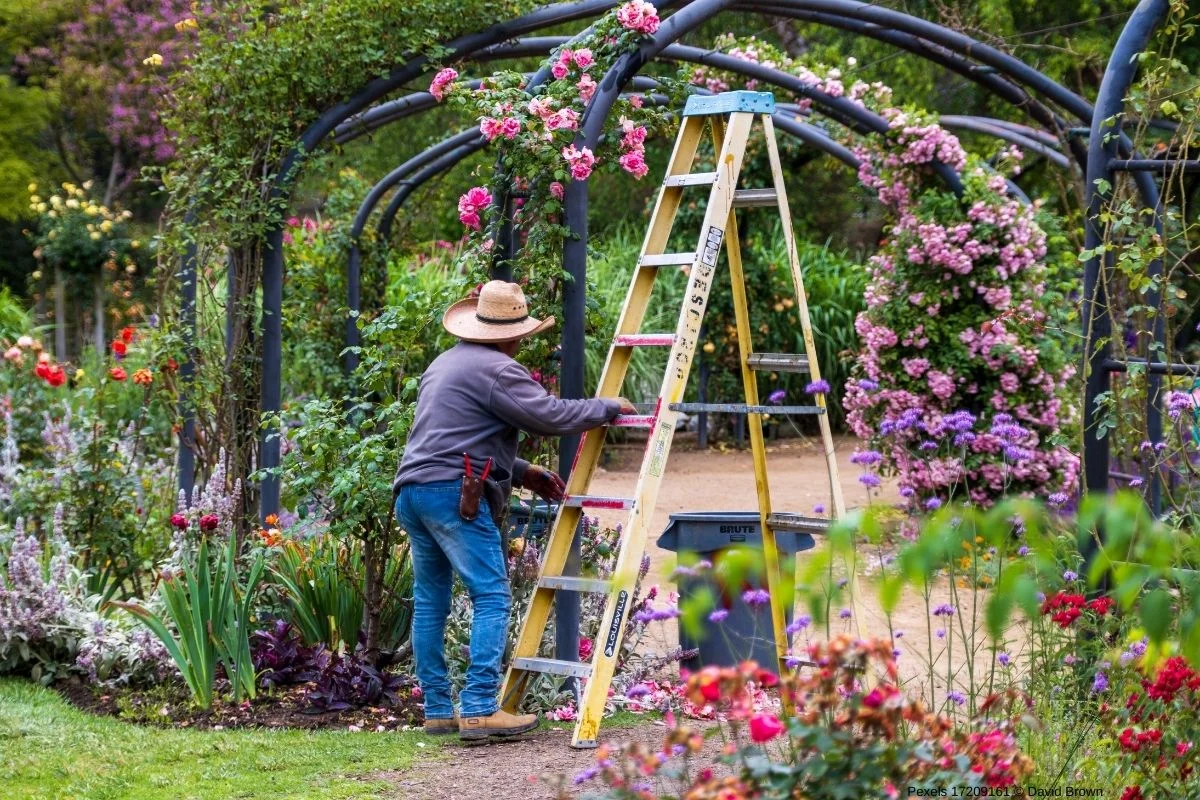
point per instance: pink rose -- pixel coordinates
(580, 171)
(469, 218)
(559, 71)
(510, 127)
(634, 163)
(440, 82)
(764, 726)
(564, 119)
(540, 108)
(556, 190)
(490, 127)
(636, 101)
(638, 15)
(587, 89)
(580, 161)
(583, 58)
(470, 204)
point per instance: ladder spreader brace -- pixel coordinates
(719, 229)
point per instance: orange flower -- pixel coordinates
(117, 374)
(271, 537)
(272, 520)
(143, 377)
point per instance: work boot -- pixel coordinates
(441, 727)
(501, 723)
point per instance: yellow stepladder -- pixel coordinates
(732, 116)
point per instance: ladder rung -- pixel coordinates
(667, 260)
(691, 179)
(755, 198)
(553, 666)
(742, 408)
(596, 501)
(633, 421)
(644, 339)
(778, 362)
(797, 522)
(571, 583)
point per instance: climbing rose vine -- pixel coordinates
(960, 375)
(961, 367)
(535, 131)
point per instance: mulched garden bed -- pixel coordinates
(170, 706)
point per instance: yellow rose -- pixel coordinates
(69, 188)
(32, 188)
(709, 347)
(155, 60)
(87, 184)
(779, 306)
(94, 236)
(106, 226)
(188, 24)
(135, 244)
(130, 269)
(55, 201)
(36, 275)
(51, 234)
(72, 203)
(34, 199)
(788, 302)
(79, 374)
(41, 208)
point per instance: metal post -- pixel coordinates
(187, 370)
(272, 366)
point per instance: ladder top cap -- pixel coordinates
(730, 102)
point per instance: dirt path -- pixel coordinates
(695, 481)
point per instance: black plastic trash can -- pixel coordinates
(746, 632)
(526, 520)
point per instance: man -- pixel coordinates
(474, 399)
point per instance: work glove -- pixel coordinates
(544, 483)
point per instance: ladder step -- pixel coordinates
(553, 666)
(667, 260)
(755, 198)
(742, 408)
(691, 179)
(633, 421)
(798, 523)
(777, 362)
(644, 339)
(571, 583)
(596, 501)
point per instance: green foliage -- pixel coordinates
(208, 607)
(15, 319)
(317, 579)
(275, 69)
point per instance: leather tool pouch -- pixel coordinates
(472, 493)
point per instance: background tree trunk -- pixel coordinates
(98, 313)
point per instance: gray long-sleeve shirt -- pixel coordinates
(474, 399)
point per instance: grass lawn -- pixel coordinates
(49, 749)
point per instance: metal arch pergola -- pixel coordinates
(1001, 74)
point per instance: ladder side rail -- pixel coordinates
(758, 448)
(835, 487)
(616, 612)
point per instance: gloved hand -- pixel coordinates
(544, 483)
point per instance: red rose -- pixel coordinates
(1132, 793)
(55, 376)
(42, 370)
(585, 648)
(117, 374)
(118, 347)
(179, 521)
(127, 334)
(1102, 605)
(209, 522)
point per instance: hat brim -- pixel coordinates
(460, 320)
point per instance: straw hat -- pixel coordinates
(499, 314)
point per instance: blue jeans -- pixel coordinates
(442, 544)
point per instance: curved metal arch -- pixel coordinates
(468, 45)
(1095, 319)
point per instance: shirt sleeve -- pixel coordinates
(520, 467)
(523, 403)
